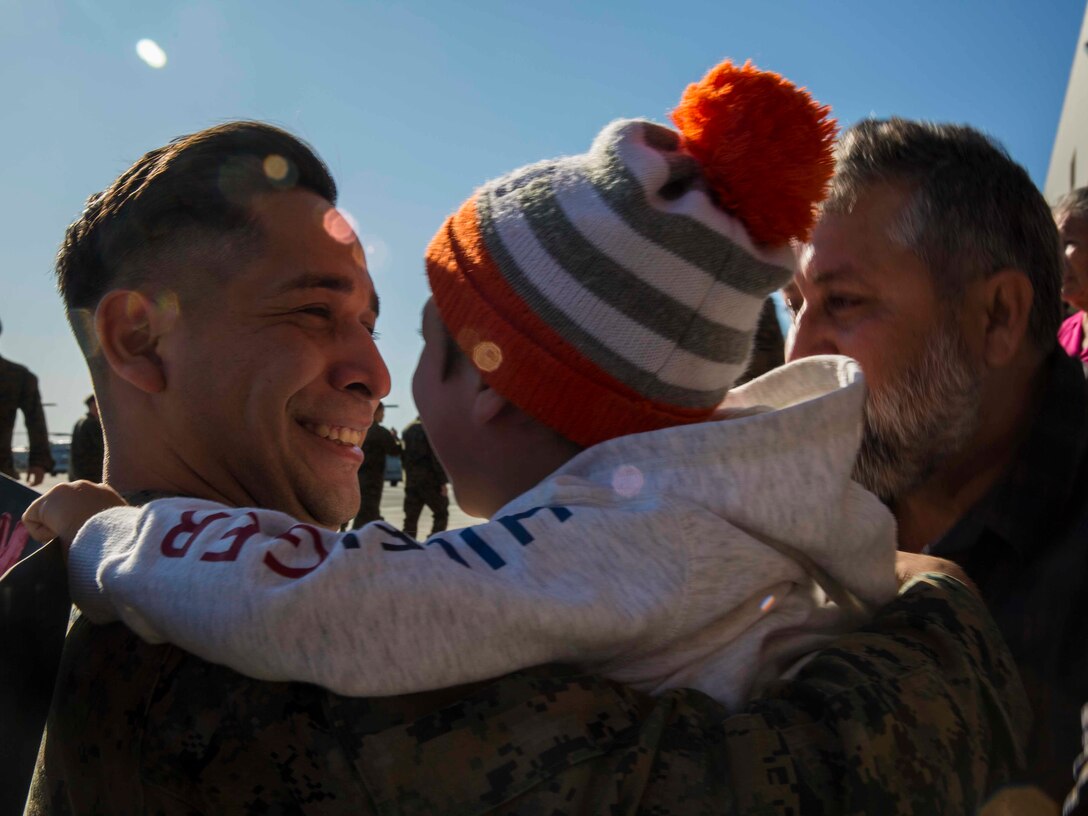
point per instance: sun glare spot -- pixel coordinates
(276, 167)
(767, 604)
(150, 52)
(169, 306)
(627, 481)
(487, 356)
(338, 226)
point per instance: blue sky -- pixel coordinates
(414, 104)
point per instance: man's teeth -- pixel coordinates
(351, 437)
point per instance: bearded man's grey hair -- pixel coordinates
(971, 211)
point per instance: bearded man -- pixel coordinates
(936, 265)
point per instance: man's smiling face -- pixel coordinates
(272, 379)
(866, 295)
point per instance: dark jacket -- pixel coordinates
(19, 392)
(421, 466)
(88, 450)
(379, 444)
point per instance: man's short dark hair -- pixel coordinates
(187, 203)
(972, 209)
(1072, 205)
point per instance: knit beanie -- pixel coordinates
(618, 291)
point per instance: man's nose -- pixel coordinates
(359, 366)
(810, 336)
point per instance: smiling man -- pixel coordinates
(936, 265)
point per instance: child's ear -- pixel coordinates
(128, 328)
(489, 405)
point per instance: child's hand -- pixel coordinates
(64, 509)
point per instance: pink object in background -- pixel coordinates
(13, 540)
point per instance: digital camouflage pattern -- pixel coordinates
(919, 712)
(19, 392)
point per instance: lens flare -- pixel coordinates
(169, 307)
(150, 52)
(276, 167)
(628, 481)
(377, 252)
(338, 226)
(487, 356)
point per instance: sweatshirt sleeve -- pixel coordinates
(372, 611)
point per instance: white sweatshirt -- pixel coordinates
(704, 556)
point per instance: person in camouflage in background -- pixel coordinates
(88, 451)
(425, 482)
(380, 442)
(920, 711)
(19, 392)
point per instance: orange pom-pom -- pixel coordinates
(766, 148)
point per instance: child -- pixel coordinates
(588, 316)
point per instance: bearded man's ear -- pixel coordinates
(1007, 297)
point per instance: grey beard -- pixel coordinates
(915, 422)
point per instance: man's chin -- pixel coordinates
(331, 508)
(883, 471)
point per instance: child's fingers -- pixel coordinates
(34, 520)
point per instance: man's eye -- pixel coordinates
(838, 303)
(319, 311)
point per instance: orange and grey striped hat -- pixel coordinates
(618, 291)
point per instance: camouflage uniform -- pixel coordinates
(19, 392)
(424, 479)
(88, 450)
(379, 443)
(919, 712)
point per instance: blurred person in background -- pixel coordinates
(88, 449)
(380, 442)
(19, 392)
(768, 345)
(425, 482)
(1071, 216)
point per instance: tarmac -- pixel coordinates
(392, 506)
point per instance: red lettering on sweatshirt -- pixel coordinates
(240, 534)
(188, 526)
(280, 568)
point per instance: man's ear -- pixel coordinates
(1007, 296)
(129, 326)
